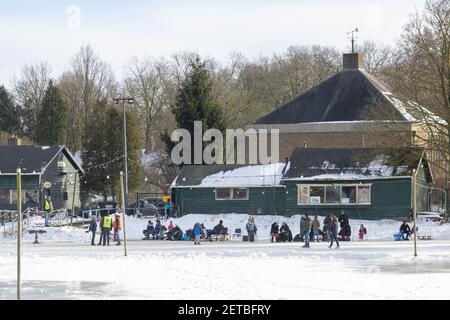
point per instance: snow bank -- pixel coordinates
(377, 230)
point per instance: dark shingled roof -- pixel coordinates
(308, 163)
(30, 158)
(193, 175)
(346, 96)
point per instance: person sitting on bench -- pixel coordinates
(219, 229)
(405, 230)
(157, 230)
(149, 231)
(175, 234)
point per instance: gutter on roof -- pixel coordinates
(226, 187)
(338, 126)
(23, 174)
(343, 179)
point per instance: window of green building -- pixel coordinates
(231, 194)
(334, 194)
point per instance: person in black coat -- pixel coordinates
(343, 220)
(286, 234)
(405, 230)
(274, 231)
(93, 228)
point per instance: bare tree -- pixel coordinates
(149, 82)
(420, 73)
(29, 91)
(377, 57)
(88, 81)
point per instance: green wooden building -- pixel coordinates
(218, 189)
(364, 183)
(45, 171)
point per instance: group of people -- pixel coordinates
(175, 233)
(310, 230)
(160, 232)
(106, 225)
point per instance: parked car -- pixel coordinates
(143, 210)
(95, 198)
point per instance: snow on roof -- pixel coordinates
(229, 176)
(261, 175)
(343, 164)
(77, 158)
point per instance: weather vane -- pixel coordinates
(353, 38)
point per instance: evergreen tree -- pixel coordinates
(9, 114)
(103, 154)
(52, 119)
(195, 102)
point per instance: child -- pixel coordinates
(362, 232)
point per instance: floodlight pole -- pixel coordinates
(125, 143)
(415, 211)
(123, 214)
(19, 229)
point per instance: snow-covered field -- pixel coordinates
(65, 266)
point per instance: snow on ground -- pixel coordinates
(228, 270)
(65, 266)
(378, 230)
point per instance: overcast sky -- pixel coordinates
(53, 31)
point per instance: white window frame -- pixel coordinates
(325, 204)
(231, 198)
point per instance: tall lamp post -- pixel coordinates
(125, 145)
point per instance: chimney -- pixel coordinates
(353, 61)
(14, 141)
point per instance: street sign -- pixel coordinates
(47, 184)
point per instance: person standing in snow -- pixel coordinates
(117, 227)
(316, 228)
(100, 224)
(93, 228)
(274, 231)
(170, 226)
(334, 232)
(251, 229)
(198, 231)
(302, 228)
(327, 226)
(307, 231)
(106, 229)
(48, 208)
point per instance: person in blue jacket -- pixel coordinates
(197, 232)
(156, 230)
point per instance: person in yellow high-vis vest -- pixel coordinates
(48, 208)
(106, 229)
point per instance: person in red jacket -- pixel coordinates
(117, 227)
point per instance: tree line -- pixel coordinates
(75, 108)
